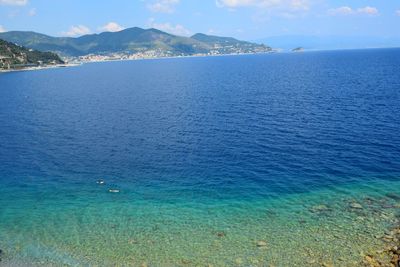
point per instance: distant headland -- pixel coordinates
(298, 49)
(14, 57)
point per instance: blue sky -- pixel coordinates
(244, 19)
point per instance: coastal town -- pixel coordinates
(19, 61)
(5, 64)
(151, 54)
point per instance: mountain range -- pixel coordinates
(133, 40)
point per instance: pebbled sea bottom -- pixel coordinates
(259, 160)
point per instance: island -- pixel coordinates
(298, 49)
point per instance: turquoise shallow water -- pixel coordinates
(94, 227)
(211, 156)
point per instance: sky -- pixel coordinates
(243, 19)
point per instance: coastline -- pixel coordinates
(174, 57)
(41, 67)
(390, 254)
(78, 63)
(275, 51)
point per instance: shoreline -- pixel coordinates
(41, 67)
(78, 63)
(175, 57)
(389, 254)
(275, 51)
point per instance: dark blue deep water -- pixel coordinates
(195, 146)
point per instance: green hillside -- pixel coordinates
(13, 56)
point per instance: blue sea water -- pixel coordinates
(211, 155)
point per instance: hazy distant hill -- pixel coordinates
(289, 42)
(211, 39)
(229, 44)
(131, 40)
(14, 56)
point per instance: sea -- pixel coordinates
(286, 159)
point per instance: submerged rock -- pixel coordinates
(370, 200)
(355, 205)
(389, 255)
(319, 208)
(395, 260)
(393, 196)
(261, 244)
(1, 253)
(186, 261)
(302, 221)
(388, 237)
(221, 234)
(369, 260)
(132, 242)
(387, 206)
(395, 250)
(238, 261)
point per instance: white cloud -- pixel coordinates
(288, 9)
(177, 29)
(265, 4)
(2, 29)
(245, 3)
(163, 6)
(14, 2)
(32, 12)
(368, 10)
(77, 31)
(346, 10)
(111, 27)
(300, 4)
(343, 10)
(398, 12)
